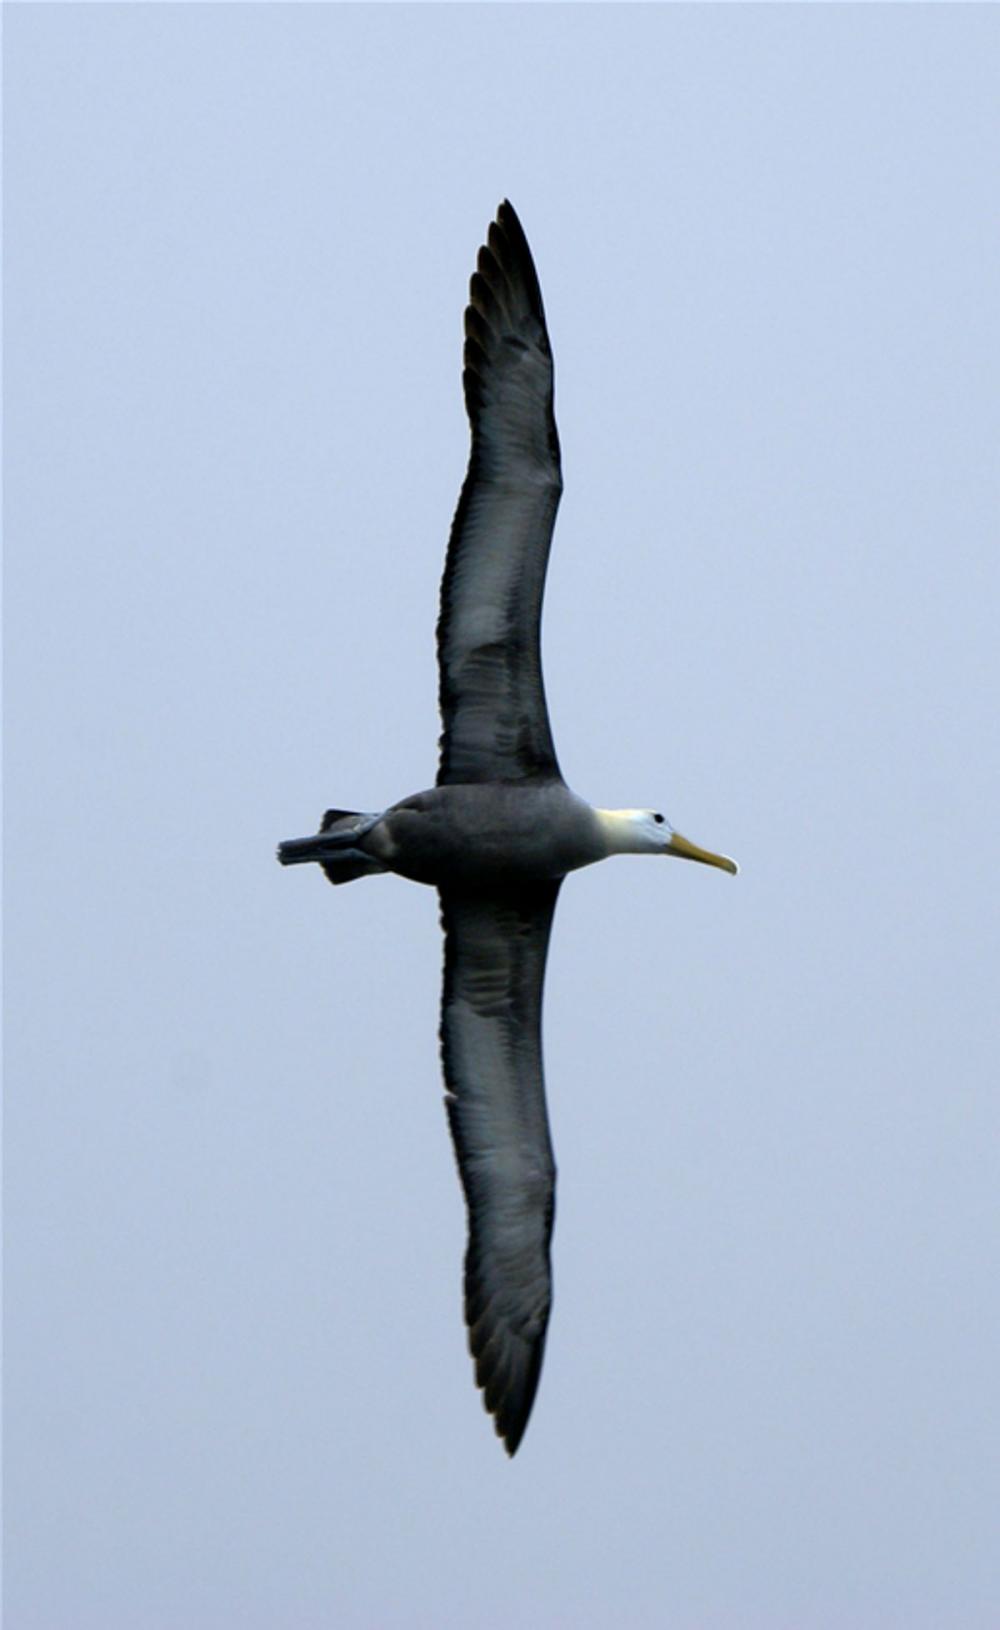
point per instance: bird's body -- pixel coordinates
(479, 834)
(501, 829)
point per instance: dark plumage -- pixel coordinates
(501, 829)
(496, 726)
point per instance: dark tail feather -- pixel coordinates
(336, 846)
(352, 863)
(332, 816)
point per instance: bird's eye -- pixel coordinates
(658, 819)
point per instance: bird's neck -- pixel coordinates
(622, 832)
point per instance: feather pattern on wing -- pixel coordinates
(495, 951)
(495, 721)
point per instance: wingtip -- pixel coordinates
(505, 282)
(511, 1444)
(508, 1391)
(512, 1436)
(509, 1424)
(508, 218)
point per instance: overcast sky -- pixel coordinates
(238, 246)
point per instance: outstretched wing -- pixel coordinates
(494, 969)
(495, 722)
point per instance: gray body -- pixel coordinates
(481, 835)
(501, 829)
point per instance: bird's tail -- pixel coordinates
(349, 864)
(335, 846)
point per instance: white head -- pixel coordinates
(647, 832)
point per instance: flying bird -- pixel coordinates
(500, 829)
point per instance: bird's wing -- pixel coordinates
(494, 968)
(495, 722)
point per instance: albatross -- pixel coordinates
(500, 829)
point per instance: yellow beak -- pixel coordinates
(690, 851)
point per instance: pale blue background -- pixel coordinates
(238, 247)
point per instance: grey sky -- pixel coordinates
(238, 244)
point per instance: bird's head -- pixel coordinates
(647, 832)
